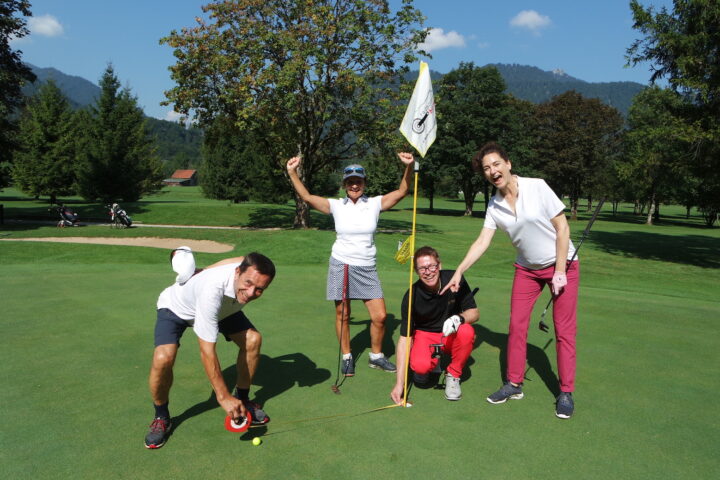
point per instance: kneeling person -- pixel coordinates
(210, 302)
(436, 320)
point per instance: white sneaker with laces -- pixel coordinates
(452, 388)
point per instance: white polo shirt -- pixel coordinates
(355, 225)
(204, 300)
(529, 227)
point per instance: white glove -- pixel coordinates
(183, 263)
(451, 325)
(559, 281)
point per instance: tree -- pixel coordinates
(117, 159)
(470, 105)
(656, 150)
(683, 45)
(13, 74)
(309, 73)
(235, 169)
(45, 162)
(576, 138)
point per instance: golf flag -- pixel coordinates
(419, 125)
(403, 254)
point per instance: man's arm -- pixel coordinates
(230, 404)
(400, 353)
(471, 315)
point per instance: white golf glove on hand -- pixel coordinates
(183, 263)
(559, 280)
(451, 325)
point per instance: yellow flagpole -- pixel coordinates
(410, 290)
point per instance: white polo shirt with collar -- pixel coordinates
(204, 300)
(355, 225)
(529, 227)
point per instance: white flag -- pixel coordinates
(419, 125)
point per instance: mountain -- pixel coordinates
(178, 147)
(538, 86)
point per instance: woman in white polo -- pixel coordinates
(534, 219)
(356, 218)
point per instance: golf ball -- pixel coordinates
(257, 441)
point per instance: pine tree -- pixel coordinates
(117, 157)
(45, 163)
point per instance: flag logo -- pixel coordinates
(419, 125)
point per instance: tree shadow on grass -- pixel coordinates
(537, 358)
(361, 341)
(697, 250)
(274, 376)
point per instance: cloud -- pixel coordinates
(45, 25)
(437, 39)
(173, 116)
(531, 20)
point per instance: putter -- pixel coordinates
(542, 325)
(335, 387)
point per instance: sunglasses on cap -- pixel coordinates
(350, 170)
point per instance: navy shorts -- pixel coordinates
(169, 327)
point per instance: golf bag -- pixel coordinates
(118, 216)
(68, 218)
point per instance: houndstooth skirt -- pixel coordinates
(363, 282)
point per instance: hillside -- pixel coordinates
(537, 86)
(178, 147)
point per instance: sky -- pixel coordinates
(587, 39)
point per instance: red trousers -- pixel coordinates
(527, 286)
(459, 345)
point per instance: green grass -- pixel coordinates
(77, 324)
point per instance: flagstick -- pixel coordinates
(410, 290)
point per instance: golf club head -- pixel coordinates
(543, 326)
(238, 425)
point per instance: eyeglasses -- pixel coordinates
(429, 268)
(350, 170)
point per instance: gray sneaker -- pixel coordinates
(505, 392)
(564, 406)
(348, 367)
(159, 433)
(382, 363)
(452, 388)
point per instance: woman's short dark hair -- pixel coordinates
(487, 149)
(261, 263)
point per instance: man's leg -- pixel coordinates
(249, 342)
(161, 373)
(460, 345)
(160, 381)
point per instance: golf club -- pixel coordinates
(335, 387)
(542, 325)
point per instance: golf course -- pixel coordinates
(78, 320)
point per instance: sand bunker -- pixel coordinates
(205, 246)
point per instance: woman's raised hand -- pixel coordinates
(293, 164)
(406, 158)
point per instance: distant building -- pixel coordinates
(183, 178)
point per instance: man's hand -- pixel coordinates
(559, 280)
(397, 394)
(406, 158)
(233, 407)
(451, 325)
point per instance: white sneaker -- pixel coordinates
(452, 388)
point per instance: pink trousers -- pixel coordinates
(527, 286)
(459, 344)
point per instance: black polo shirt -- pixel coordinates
(430, 310)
